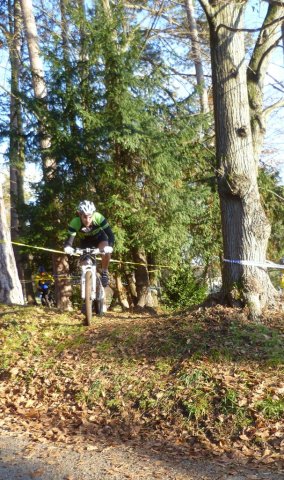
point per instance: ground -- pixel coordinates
(193, 395)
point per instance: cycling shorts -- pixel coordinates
(94, 240)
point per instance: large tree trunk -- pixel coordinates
(245, 227)
(63, 288)
(49, 164)
(39, 84)
(16, 151)
(10, 286)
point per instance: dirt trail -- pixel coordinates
(24, 459)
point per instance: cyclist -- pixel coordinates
(43, 282)
(94, 231)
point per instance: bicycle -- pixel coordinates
(47, 299)
(45, 295)
(92, 291)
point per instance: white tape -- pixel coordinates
(253, 263)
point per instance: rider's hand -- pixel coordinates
(108, 249)
(69, 250)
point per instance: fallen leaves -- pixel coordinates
(132, 377)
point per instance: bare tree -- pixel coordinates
(239, 133)
(196, 54)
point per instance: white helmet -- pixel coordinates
(86, 207)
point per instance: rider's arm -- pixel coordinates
(110, 235)
(73, 228)
(106, 228)
(69, 241)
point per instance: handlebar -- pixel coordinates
(92, 251)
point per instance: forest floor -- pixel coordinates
(194, 395)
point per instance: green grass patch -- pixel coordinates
(271, 408)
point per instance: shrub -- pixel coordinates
(182, 289)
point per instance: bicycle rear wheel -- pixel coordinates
(88, 297)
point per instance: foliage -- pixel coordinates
(119, 138)
(182, 289)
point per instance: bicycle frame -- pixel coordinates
(95, 292)
(88, 262)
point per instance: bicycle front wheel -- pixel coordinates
(88, 297)
(100, 295)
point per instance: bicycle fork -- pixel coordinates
(85, 269)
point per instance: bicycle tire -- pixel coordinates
(99, 307)
(88, 297)
(45, 301)
(99, 302)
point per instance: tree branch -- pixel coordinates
(267, 111)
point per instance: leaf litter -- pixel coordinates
(205, 381)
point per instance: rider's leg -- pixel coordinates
(105, 263)
(106, 256)
(99, 241)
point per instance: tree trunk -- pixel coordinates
(196, 54)
(10, 286)
(245, 227)
(121, 293)
(17, 159)
(49, 164)
(16, 151)
(131, 289)
(144, 297)
(268, 38)
(63, 289)
(39, 84)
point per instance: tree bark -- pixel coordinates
(245, 227)
(17, 158)
(196, 54)
(144, 297)
(268, 38)
(131, 289)
(10, 286)
(16, 151)
(121, 292)
(63, 289)
(39, 84)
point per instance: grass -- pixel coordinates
(211, 375)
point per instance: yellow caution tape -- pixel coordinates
(77, 255)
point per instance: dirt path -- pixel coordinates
(24, 459)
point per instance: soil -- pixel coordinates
(24, 459)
